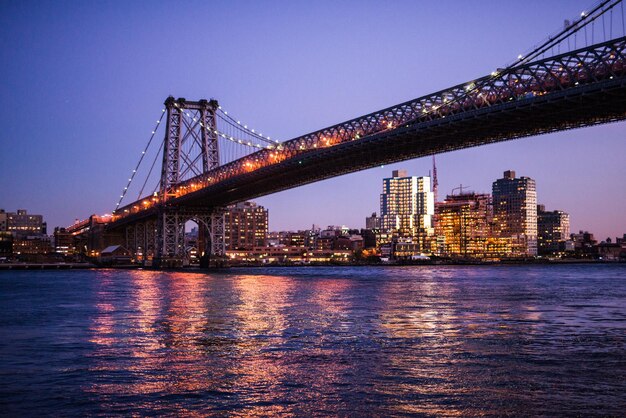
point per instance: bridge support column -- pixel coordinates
(217, 234)
(171, 251)
(141, 240)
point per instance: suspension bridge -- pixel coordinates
(209, 159)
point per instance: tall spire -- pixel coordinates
(435, 182)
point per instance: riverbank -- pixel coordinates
(46, 266)
(437, 262)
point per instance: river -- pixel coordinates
(315, 341)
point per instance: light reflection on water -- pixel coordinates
(452, 341)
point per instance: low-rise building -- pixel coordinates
(288, 255)
(63, 241)
(23, 224)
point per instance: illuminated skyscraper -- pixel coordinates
(407, 205)
(515, 212)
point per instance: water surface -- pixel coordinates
(429, 341)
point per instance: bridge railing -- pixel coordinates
(562, 72)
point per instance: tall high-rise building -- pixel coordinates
(245, 226)
(553, 229)
(406, 205)
(515, 212)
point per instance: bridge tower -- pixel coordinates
(190, 148)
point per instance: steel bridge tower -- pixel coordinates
(190, 149)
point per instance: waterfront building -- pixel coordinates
(6, 244)
(293, 238)
(407, 206)
(63, 241)
(352, 242)
(288, 255)
(464, 225)
(515, 212)
(611, 251)
(32, 245)
(245, 226)
(585, 244)
(552, 230)
(22, 224)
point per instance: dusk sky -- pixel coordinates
(83, 83)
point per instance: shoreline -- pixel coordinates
(85, 266)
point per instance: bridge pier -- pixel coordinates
(170, 230)
(141, 240)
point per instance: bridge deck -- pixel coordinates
(580, 88)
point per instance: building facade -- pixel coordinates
(407, 205)
(552, 230)
(464, 227)
(372, 222)
(245, 226)
(515, 212)
(22, 224)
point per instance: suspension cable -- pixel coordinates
(143, 153)
(151, 168)
(245, 128)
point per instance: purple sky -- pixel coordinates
(83, 83)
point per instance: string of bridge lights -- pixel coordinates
(581, 22)
(250, 131)
(275, 144)
(143, 154)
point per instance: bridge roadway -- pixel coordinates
(526, 101)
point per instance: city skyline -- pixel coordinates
(72, 158)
